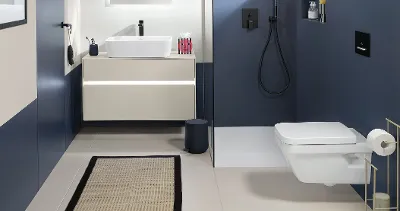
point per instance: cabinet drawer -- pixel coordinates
(138, 70)
(138, 102)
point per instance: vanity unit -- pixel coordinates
(124, 89)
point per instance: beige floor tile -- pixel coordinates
(81, 143)
(58, 183)
(135, 146)
(200, 191)
(279, 190)
(126, 141)
(74, 184)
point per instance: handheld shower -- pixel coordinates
(273, 29)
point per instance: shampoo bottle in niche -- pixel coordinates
(313, 11)
(322, 11)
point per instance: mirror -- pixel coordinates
(136, 2)
(12, 13)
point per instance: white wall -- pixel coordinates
(18, 85)
(208, 31)
(72, 15)
(6, 1)
(101, 21)
(20, 2)
(113, 2)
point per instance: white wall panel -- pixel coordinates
(18, 85)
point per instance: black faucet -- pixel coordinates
(141, 28)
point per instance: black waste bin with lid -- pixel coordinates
(196, 136)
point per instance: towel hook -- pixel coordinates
(67, 25)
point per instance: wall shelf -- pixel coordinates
(312, 21)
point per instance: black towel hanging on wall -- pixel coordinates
(70, 50)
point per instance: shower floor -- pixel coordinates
(247, 147)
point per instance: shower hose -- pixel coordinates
(273, 30)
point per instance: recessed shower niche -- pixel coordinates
(314, 10)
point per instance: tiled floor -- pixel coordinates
(204, 188)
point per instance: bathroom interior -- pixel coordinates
(295, 104)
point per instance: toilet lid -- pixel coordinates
(310, 133)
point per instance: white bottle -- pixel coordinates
(313, 11)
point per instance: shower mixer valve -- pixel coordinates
(249, 18)
(273, 19)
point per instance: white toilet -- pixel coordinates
(324, 152)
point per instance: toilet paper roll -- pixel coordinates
(382, 201)
(381, 142)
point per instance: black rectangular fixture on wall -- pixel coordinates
(363, 43)
(249, 18)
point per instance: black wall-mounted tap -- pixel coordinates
(141, 28)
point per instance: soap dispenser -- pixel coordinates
(93, 47)
(141, 27)
(313, 11)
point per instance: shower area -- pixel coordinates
(253, 80)
(312, 74)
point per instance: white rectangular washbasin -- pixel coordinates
(138, 46)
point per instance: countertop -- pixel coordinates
(174, 55)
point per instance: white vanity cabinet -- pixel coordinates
(123, 89)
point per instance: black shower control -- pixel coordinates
(249, 18)
(363, 43)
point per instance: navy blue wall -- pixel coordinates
(207, 99)
(73, 104)
(19, 179)
(238, 100)
(200, 90)
(50, 85)
(204, 90)
(335, 84)
(208, 91)
(19, 147)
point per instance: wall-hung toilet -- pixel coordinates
(324, 152)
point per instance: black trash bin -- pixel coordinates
(196, 136)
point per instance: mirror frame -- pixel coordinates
(18, 22)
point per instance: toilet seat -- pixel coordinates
(315, 133)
